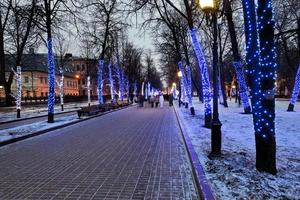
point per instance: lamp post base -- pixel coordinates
(18, 113)
(216, 137)
(291, 108)
(62, 107)
(247, 110)
(50, 118)
(207, 121)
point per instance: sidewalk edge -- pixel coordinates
(202, 184)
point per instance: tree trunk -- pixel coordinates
(265, 136)
(243, 89)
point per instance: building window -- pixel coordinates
(46, 80)
(41, 80)
(83, 67)
(26, 79)
(83, 82)
(78, 68)
(42, 94)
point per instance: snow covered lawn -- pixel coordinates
(8, 134)
(8, 114)
(233, 176)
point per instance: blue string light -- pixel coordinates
(111, 82)
(296, 88)
(51, 78)
(185, 82)
(100, 71)
(243, 90)
(189, 82)
(122, 84)
(204, 72)
(261, 59)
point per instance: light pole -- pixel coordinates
(179, 74)
(210, 6)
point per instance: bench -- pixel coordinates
(95, 109)
(90, 110)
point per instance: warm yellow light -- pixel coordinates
(174, 84)
(179, 74)
(233, 86)
(77, 76)
(207, 5)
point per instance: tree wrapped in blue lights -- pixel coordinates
(295, 93)
(51, 81)
(111, 83)
(185, 93)
(261, 60)
(204, 75)
(89, 89)
(60, 84)
(190, 90)
(100, 75)
(122, 84)
(142, 89)
(243, 90)
(18, 75)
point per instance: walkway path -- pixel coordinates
(130, 154)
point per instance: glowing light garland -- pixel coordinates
(60, 84)
(111, 83)
(18, 75)
(51, 78)
(189, 88)
(142, 89)
(89, 89)
(261, 58)
(243, 90)
(146, 91)
(100, 71)
(296, 89)
(122, 84)
(204, 73)
(185, 82)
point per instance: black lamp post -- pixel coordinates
(209, 6)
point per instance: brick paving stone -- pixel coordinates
(130, 154)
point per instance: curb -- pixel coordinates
(13, 140)
(202, 184)
(35, 117)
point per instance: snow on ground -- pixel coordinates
(8, 114)
(233, 176)
(27, 129)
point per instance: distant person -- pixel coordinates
(161, 100)
(156, 100)
(171, 100)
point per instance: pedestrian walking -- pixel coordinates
(171, 100)
(161, 100)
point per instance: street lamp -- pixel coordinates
(179, 74)
(210, 6)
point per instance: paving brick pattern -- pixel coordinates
(136, 153)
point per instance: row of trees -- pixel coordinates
(171, 22)
(99, 27)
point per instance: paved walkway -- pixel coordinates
(130, 154)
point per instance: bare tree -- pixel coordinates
(16, 25)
